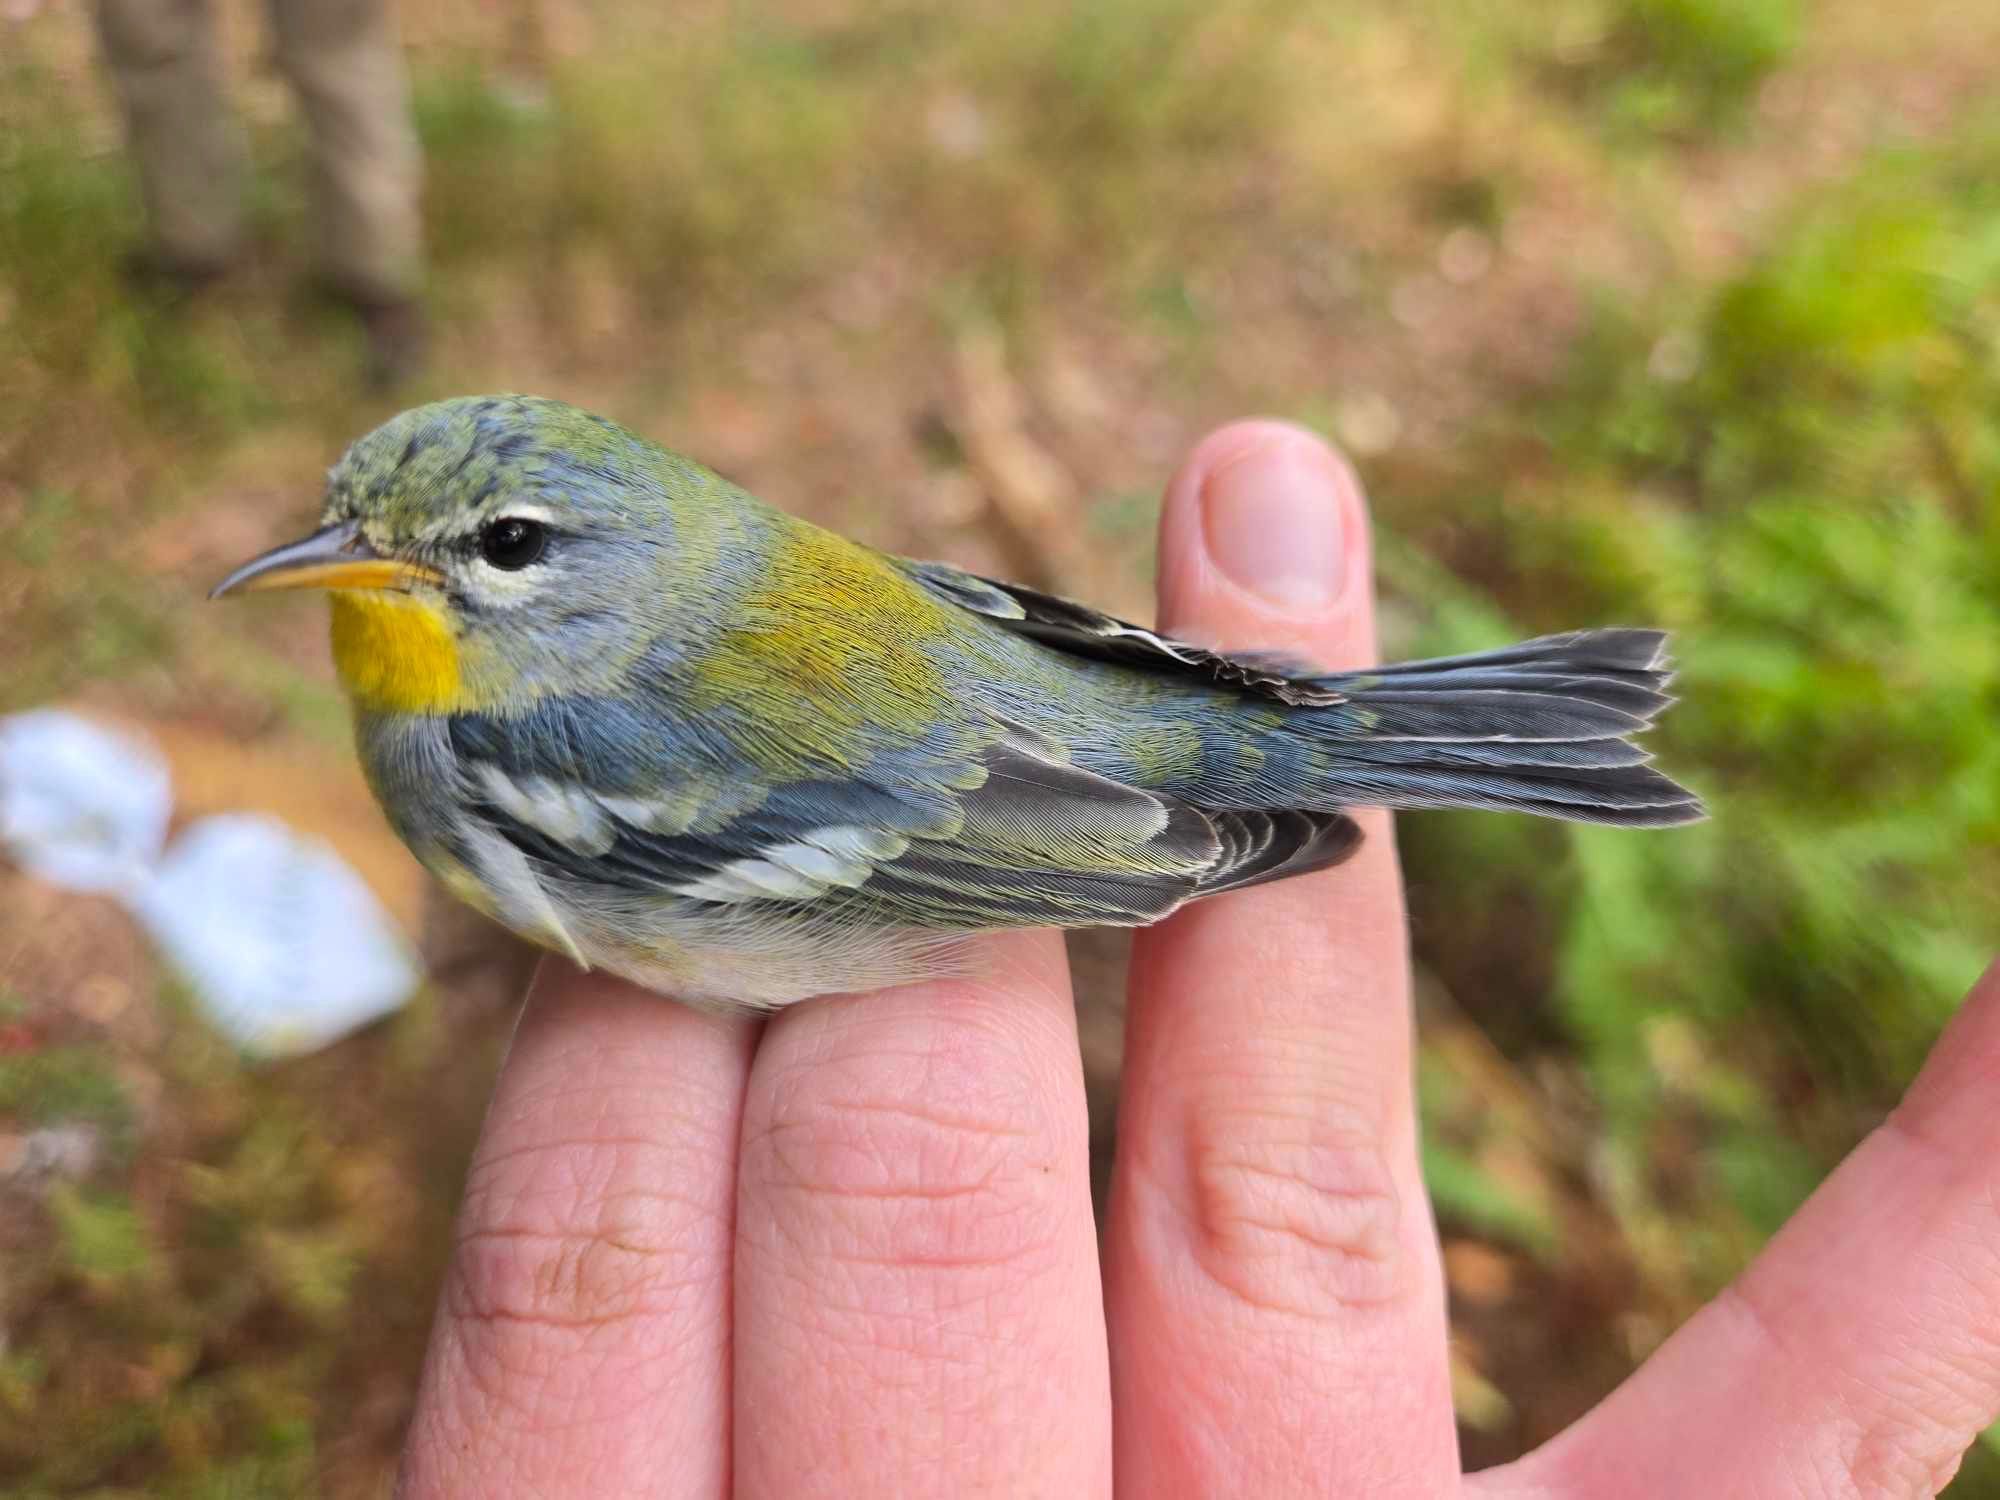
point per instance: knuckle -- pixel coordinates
(1906, 1431)
(1296, 1212)
(562, 1239)
(1893, 1459)
(1887, 1437)
(935, 1167)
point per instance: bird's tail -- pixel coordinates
(1542, 727)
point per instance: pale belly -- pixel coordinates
(717, 958)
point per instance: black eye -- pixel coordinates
(511, 543)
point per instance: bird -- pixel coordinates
(647, 721)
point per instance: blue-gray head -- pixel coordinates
(482, 550)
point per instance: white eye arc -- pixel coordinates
(498, 563)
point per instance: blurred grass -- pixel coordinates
(1680, 69)
(1644, 310)
(1796, 470)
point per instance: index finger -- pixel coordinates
(582, 1342)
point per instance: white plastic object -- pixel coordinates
(80, 806)
(284, 945)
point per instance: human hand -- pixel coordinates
(849, 1250)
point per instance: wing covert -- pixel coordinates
(1010, 834)
(1082, 631)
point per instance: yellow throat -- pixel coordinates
(396, 654)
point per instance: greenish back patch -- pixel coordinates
(830, 642)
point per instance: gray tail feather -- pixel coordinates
(1542, 727)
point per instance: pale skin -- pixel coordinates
(849, 1250)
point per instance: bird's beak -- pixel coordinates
(336, 557)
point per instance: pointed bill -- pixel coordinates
(335, 557)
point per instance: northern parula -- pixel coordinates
(647, 721)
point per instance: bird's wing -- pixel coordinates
(1082, 631)
(1014, 836)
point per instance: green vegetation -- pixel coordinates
(1608, 341)
(1680, 67)
(1797, 470)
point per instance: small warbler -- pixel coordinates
(645, 720)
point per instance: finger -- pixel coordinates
(918, 1308)
(1275, 1302)
(1860, 1353)
(582, 1338)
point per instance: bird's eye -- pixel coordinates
(511, 543)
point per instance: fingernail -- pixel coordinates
(1272, 520)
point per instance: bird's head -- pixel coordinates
(485, 551)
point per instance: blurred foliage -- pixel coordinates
(104, 1241)
(1799, 471)
(1645, 310)
(226, 1269)
(1678, 69)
